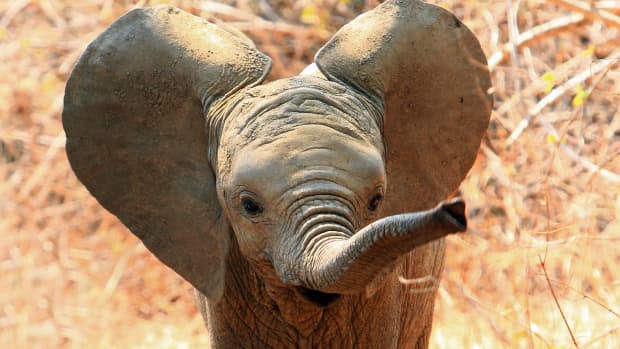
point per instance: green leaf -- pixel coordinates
(310, 15)
(553, 139)
(589, 52)
(580, 96)
(549, 79)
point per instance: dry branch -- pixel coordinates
(248, 22)
(560, 72)
(590, 166)
(590, 11)
(613, 5)
(604, 65)
(558, 92)
(557, 303)
(537, 33)
(12, 11)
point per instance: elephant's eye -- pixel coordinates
(251, 207)
(374, 203)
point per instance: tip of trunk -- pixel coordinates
(455, 213)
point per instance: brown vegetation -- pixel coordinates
(538, 268)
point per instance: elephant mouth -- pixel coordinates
(318, 298)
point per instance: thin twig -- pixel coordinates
(589, 11)
(594, 168)
(13, 10)
(588, 297)
(598, 338)
(608, 175)
(486, 310)
(560, 72)
(526, 300)
(42, 167)
(49, 10)
(248, 21)
(281, 27)
(492, 26)
(513, 34)
(558, 92)
(537, 33)
(267, 10)
(228, 11)
(613, 5)
(513, 37)
(557, 302)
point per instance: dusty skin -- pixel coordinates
(294, 206)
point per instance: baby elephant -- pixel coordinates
(295, 206)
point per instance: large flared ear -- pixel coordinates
(427, 70)
(134, 116)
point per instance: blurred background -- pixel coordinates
(539, 268)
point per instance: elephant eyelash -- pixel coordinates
(251, 207)
(373, 204)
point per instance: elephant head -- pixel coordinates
(320, 180)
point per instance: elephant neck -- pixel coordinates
(255, 314)
(253, 311)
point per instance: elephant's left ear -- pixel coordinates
(428, 71)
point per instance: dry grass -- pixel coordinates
(539, 267)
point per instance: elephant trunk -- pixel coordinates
(346, 266)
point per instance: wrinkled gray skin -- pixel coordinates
(328, 158)
(300, 209)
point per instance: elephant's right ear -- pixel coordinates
(134, 115)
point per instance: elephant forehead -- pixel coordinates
(268, 110)
(310, 152)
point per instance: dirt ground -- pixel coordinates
(539, 267)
